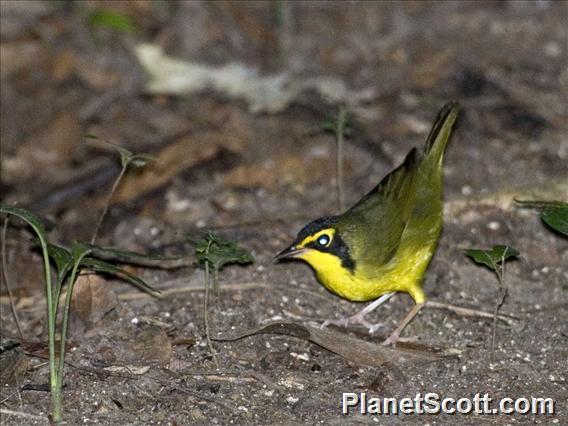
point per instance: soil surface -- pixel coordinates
(231, 104)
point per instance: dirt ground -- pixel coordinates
(244, 155)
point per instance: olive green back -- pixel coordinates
(405, 208)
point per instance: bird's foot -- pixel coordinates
(392, 339)
(352, 320)
(359, 317)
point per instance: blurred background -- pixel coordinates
(234, 101)
(230, 98)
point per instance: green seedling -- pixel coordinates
(213, 253)
(69, 263)
(218, 252)
(127, 158)
(495, 260)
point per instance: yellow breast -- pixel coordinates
(403, 273)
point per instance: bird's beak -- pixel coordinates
(289, 252)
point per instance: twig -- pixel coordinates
(504, 199)
(17, 391)
(500, 272)
(23, 415)
(206, 317)
(5, 278)
(230, 375)
(467, 312)
(229, 379)
(107, 203)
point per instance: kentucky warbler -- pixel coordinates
(384, 243)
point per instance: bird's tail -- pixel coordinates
(439, 136)
(426, 219)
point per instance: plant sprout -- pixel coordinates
(495, 260)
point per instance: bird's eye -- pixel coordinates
(323, 240)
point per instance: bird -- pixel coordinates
(384, 243)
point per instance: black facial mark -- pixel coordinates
(316, 226)
(337, 248)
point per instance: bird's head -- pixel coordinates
(321, 245)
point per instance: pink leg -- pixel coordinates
(391, 340)
(359, 317)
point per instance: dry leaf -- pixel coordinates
(153, 345)
(92, 298)
(263, 93)
(360, 352)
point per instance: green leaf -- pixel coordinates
(41, 233)
(65, 259)
(101, 266)
(125, 254)
(62, 258)
(26, 216)
(127, 157)
(492, 258)
(329, 126)
(219, 252)
(341, 124)
(112, 20)
(139, 160)
(79, 250)
(557, 218)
